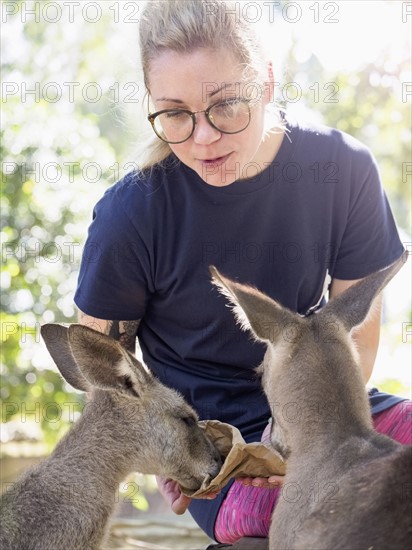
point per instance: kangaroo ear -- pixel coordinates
(105, 363)
(255, 311)
(56, 338)
(352, 306)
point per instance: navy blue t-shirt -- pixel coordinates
(318, 210)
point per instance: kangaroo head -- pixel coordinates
(308, 359)
(160, 429)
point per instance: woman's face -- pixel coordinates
(194, 81)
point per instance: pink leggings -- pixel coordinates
(247, 511)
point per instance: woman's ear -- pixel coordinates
(269, 87)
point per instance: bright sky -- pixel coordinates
(344, 34)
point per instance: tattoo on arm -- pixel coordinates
(125, 332)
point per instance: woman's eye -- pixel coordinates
(174, 114)
(230, 106)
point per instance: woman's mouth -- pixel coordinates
(215, 162)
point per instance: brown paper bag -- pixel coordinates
(240, 459)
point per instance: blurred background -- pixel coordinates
(72, 116)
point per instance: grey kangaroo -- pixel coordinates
(131, 423)
(346, 486)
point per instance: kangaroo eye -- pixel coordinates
(189, 421)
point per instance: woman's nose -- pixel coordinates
(204, 133)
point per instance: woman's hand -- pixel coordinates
(265, 482)
(170, 491)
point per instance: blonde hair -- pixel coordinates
(184, 25)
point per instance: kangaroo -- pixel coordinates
(346, 486)
(132, 422)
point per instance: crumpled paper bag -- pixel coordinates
(240, 459)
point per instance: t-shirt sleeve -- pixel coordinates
(370, 240)
(114, 277)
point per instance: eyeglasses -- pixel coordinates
(177, 125)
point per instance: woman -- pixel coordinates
(217, 186)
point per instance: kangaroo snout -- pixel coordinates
(216, 462)
(141, 426)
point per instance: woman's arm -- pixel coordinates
(123, 331)
(366, 335)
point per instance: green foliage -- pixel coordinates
(135, 488)
(394, 387)
(369, 104)
(58, 159)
